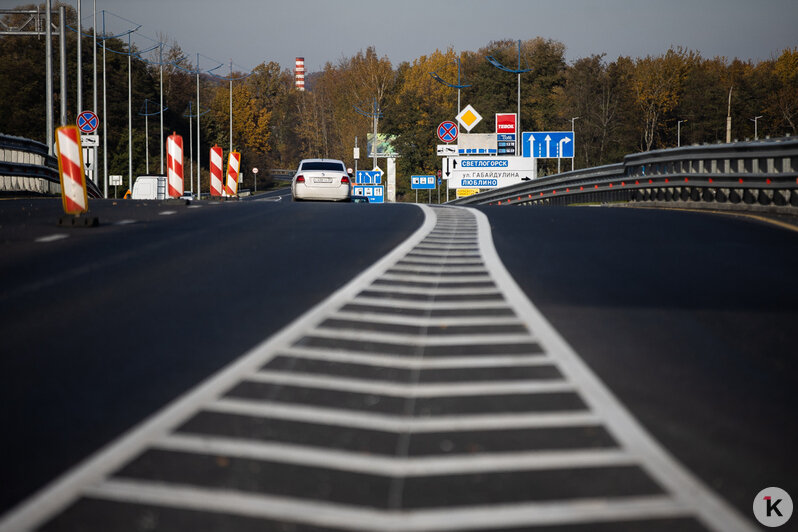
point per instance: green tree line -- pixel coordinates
(625, 105)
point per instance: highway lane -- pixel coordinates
(688, 317)
(683, 351)
(102, 328)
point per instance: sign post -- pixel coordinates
(87, 124)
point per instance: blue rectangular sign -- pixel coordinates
(365, 177)
(548, 144)
(422, 182)
(373, 192)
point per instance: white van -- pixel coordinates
(150, 187)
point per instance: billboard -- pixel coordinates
(384, 145)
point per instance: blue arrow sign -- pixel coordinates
(366, 177)
(548, 144)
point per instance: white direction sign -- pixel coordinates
(468, 117)
(90, 140)
(489, 172)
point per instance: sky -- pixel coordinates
(250, 32)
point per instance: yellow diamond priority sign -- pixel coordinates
(468, 117)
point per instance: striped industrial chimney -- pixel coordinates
(299, 74)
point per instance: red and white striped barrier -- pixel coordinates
(70, 170)
(299, 74)
(174, 164)
(233, 166)
(216, 171)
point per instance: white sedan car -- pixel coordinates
(321, 179)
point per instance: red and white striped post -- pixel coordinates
(70, 170)
(174, 164)
(216, 171)
(233, 165)
(299, 74)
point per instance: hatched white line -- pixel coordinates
(367, 519)
(433, 292)
(423, 321)
(54, 497)
(388, 302)
(371, 464)
(434, 279)
(391, 361)
(687, 489)
(414, 390)
(487, 340)
(51, 238)
(388, 423)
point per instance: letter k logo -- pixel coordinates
(773, 507)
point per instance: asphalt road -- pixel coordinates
(688, 318)
(103, 327)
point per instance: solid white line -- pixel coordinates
(391, 361)
(389, 423)
(411, 390)
(687, 488)
(55, 496)
(52, 238)
(371, 464)
(367, 519)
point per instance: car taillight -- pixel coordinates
(300, 179)
(344, 180)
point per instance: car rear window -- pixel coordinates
(317, 165)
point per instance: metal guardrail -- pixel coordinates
(27, 168)
(758, 175)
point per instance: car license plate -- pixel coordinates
(322, 180)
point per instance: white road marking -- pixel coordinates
(125, 222)
(452, 464)
(52, 238)
(366, 519)
(167, 213)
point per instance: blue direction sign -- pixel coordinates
(447, 131)
(368, 177)
(548, 144)
(88, 122)
(422, 182)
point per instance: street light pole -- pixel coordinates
(679, 133)
(756, 131)
(574, 119)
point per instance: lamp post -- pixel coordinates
(756, 131)
(459, 86)
(574, 119)
(518, 71)
(679, 133)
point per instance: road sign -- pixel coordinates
(506, 123)
(548, 144)
(477, 144)
(368, 177)
(90, 140)
(88, 122)
(447, 131)
(489, 172)
(465, 192)
(468, 117)
(445, 150)
(422, 182)
(374, 193)
(114, 180)
(89, 158)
